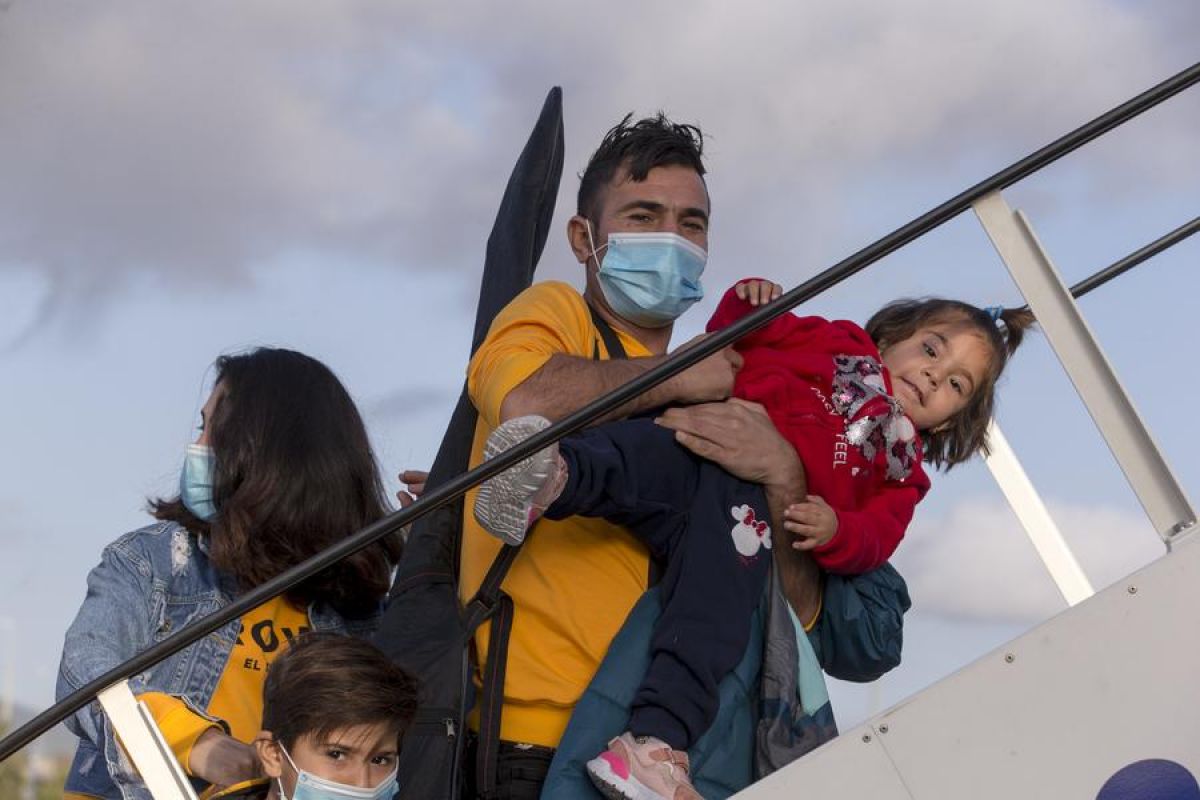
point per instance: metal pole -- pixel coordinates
(1098, 279)
(1068, 333)
(143, 743)
(1068, 576)
(1052, 548)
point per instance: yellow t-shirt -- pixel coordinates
(575, 580)
(237, 701)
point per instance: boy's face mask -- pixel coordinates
(314, 787)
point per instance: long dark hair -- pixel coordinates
(293, 473)
(966, 432)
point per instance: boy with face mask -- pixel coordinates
(334, 710)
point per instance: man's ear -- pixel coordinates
(577, 237)
(269, 754)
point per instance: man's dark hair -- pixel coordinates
(326, 682)
(293, 474)
(638, 147)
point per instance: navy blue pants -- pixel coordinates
(710, 529)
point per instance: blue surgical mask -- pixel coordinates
(314, 787)
(650, 279)
(196, 481)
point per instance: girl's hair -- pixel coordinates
(326, 682)
(293, 473)
(966, 432)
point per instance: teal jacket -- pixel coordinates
(858, 638)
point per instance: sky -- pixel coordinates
(185, 180)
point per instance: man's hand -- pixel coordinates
(414, 486)
(814, 522)
(709, 380)
(740, 437)
(222, 760)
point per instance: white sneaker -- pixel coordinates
(509, 503)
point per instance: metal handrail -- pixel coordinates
(1135, 258)
(456, 487)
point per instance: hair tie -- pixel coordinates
(995, 313)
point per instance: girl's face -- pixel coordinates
(937, 369)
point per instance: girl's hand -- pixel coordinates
(758, 292)
(813, 522)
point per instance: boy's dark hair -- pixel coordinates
(325, 682)
(293, 473)
(966, 432)
(639, 147)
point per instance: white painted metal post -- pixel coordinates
(1068, 333)
(1054, 551)
(144, 744)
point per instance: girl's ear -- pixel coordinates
(269, 754)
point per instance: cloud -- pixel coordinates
(192, 144)
(403, 404)
(976, 562)
(188, 145)
(27, 301)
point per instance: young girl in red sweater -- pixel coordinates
(862, 407)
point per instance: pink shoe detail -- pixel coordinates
(618, 764)
(642, 768)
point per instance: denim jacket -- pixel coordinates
(149, 584)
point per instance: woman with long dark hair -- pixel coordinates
(280, 470)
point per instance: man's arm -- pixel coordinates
(799, 576)
(566, 383)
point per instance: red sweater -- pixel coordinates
(789, 368)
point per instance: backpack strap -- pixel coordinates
(490, 602)
(491, 699)
(487, 599)
(612, 343)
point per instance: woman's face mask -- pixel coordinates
(196, 477)
(649, 279)
(314, 787)
(196, 481)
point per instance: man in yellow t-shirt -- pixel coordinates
(575, 580)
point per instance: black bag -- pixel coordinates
(425, 629)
